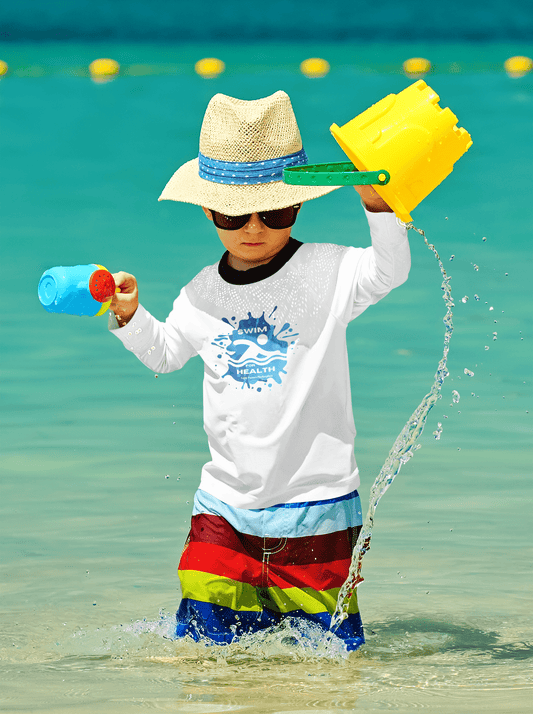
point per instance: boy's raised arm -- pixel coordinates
(371, 273)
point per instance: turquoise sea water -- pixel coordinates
(91, 527)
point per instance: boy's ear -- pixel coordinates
(207, 213)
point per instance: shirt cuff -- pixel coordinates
(136, 333)
(385, 223)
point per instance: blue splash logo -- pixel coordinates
(255, 353)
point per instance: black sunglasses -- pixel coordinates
(278, 219)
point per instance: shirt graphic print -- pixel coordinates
(256, 356)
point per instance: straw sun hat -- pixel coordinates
(244, 146)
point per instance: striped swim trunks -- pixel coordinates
(243, 570)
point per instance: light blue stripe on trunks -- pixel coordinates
(287, 520)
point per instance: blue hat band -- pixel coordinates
(249, 172)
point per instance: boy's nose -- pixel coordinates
(254, 225)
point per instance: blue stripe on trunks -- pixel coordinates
(221, 625)
(287, 520)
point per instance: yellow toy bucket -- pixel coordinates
(412, 138)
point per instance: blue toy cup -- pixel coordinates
(76, 290)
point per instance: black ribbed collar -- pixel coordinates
(254, 275)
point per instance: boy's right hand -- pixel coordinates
(124, 303)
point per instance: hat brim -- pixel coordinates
(235, 200)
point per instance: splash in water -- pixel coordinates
(402, 450)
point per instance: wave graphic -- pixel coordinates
(250, 363)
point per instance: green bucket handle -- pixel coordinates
(341, 173)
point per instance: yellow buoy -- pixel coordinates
(104, 69)
(209, 67)
(314, 67)
(3, 68)
(518, 66)
(416, 67)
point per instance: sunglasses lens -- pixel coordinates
(282, 218)
(229, 223)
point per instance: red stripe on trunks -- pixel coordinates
(224, 562)
(207, 528)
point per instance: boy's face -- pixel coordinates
(252, 245)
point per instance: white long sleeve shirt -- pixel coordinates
(277, 401)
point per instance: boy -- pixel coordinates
(277, 512)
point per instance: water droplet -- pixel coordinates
(468, 372)
(476, 297)
(464, 299)
(455, 396)
(476, 267)
(438, 431)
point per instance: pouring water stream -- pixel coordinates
(402, 450)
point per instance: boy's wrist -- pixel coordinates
(122, 320)
(372, 200)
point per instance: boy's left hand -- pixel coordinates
(372, 200)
